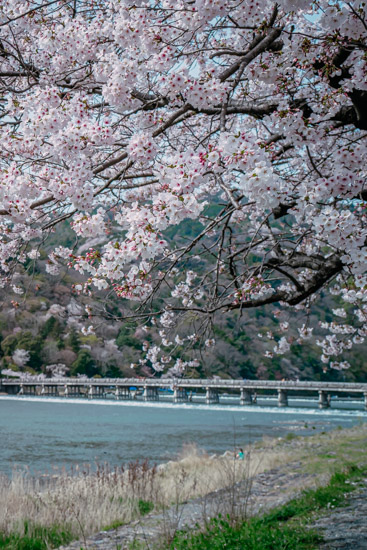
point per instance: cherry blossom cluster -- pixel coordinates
(90, 225)
(242, 123)
(254, 289)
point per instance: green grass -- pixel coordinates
(145, 506)
(281, 529)
(252, 535)
(36, 537)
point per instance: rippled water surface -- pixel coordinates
(42, 433)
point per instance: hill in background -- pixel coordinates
(47, 319)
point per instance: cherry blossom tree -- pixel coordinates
(58, 370)
(246, 119)
(20, 357)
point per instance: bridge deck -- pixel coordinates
(203, 384)
(129, 388)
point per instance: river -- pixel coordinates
(46, 434)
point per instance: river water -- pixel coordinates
(46, 434)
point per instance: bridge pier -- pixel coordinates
(10, 390)
(324, 400)
(211, 396)
(246, 397)
(91, 392)
(122, 392)
(282, 398)
(71, 391)
(75, 391)
(365, 401)
(28, 390)
(179, 395)
(150, 394)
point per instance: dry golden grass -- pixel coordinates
(204, 474)
(84, 502)
(88, 501)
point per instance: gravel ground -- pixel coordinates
(345, 528)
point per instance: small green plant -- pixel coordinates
(145, 506)
(114, 525)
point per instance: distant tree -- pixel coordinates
(20, 357)
(33, 344)
(126, 338)
(25, 341)
(50, 352)
(66, 356)
(73, 340)
(84, 364)
(113, 371)
(60, 343)
(51, 327)
(9, 344)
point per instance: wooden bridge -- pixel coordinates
(182, 389)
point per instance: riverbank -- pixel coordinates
(276, 472)
(122, 506)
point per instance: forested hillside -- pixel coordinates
(45, 329)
